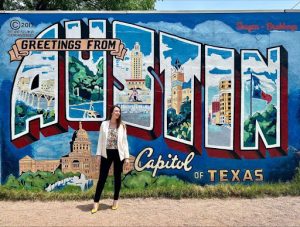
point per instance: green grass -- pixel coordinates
(173, 191)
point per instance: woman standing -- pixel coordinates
(112, 147)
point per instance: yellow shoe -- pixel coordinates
(94, 210)
(114, 207)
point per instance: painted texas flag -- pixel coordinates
(258, 92)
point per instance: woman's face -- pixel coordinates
(116, 113)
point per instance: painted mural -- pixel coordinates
(206, 97)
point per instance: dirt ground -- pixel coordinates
(282, 211)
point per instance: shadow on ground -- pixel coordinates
(89, 207)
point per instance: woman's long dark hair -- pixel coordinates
(119, 120)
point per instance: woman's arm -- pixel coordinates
(99, 146)
(125, 143)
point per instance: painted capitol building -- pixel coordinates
(80, 159)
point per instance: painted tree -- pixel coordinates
(148, 82)
(267, 120)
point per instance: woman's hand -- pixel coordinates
(126, 160)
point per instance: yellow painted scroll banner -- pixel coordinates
(22, 46)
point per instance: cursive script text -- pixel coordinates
(172, 163)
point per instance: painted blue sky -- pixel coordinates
(223, 53)
(251, 55)
(97, 54)
(29, 67)
(220, 71)
(98, 24)
(130, 36)
(269, 75)
(212, 91)
(179, 49)
(274, 56)
(49, 34)
(70, 26)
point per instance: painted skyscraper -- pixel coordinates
(136, 81)
(180, 91)
(225, 100)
